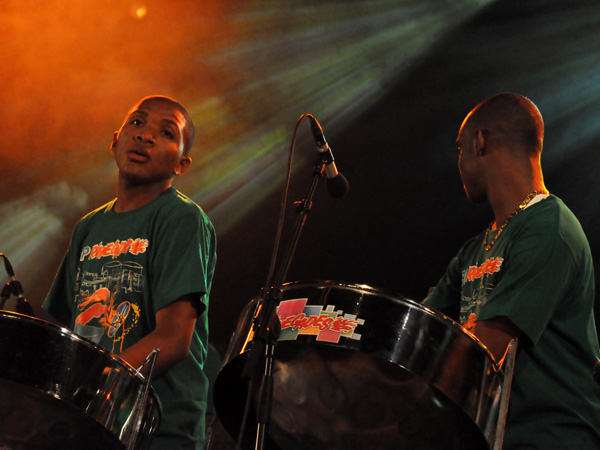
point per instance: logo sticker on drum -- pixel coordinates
(329, 325)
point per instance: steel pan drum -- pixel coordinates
(61, 391)
(355, 368)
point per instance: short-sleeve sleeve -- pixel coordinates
(183, 260)
(538, 272)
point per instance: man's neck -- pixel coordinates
(131, 197)
(506, 202)
(510, 183)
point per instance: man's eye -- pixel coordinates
(168, 134)
(136, 122)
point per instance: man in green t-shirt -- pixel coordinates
(529, 276)
(138, 271)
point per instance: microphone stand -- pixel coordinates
(267, 326)
(14, 287)
(6, 291)
(23, 306)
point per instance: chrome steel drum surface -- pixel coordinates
(61, 391)
(355, 368)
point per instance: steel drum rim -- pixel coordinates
(61, 386)
(395, 295)
(80, 339)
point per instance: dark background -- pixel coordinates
(390, 82)
(406, 214)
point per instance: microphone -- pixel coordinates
(596, 371)
(337, 184)
(23, 305)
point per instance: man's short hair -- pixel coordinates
(188, 129)
(515, 116)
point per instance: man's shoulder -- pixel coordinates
(175, 202)
(177, 206)
(94, 214)
(183, 202)
(555, 215)
(545, 216)
(553, 221)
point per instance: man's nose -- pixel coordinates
(145, 136)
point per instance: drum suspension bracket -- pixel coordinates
(142, 399)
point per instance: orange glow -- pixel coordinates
(71, 70)
(139, 11)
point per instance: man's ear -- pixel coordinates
(113, 144)
(184, 164)
(480, 148)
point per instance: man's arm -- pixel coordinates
(496, 334)
(172, 336)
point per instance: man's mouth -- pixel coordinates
(138, 156)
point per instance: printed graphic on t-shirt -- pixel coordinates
(104, 306)
(476, 288)
(114, 249)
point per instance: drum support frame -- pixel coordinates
(508, 368)
(138, 415)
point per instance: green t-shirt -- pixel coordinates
(539, 274)
(120, 269)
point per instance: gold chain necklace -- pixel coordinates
(520, 208)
